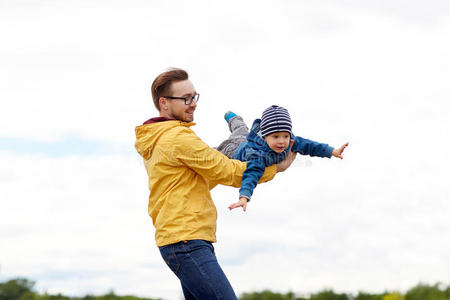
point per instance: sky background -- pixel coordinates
(75, 80)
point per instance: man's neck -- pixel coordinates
(165, 115)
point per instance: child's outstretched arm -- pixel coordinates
(338, 151)
(311, 148)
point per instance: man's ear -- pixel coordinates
(162, 103)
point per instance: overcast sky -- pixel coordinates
(75, 80)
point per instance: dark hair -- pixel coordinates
(161, 84)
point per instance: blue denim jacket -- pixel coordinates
(256, 152)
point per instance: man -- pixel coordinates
(182, 170)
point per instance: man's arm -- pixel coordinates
(210, 163)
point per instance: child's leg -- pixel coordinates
(239, 131)
(238, 127)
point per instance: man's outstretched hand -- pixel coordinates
(282, 166)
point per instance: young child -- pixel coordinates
(268, 143)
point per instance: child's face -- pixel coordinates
(278, 141)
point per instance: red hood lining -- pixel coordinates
(157, 120)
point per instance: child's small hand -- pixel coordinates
(338, 151)
(241, 203)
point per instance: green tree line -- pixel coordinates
(23, 289)
(418, 292)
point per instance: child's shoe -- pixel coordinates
(228, 115)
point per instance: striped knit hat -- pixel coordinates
(275, 119)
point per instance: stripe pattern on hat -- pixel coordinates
(275, 119)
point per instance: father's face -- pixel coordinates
(176, 108)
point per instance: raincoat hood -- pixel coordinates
(148, 134)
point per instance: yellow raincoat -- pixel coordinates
(182, 169)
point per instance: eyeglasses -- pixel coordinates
(187, 100)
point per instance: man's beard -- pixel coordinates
(181, 116)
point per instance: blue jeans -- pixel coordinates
(195, 264)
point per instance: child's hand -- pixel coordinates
(338, 151)
(242, 202)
